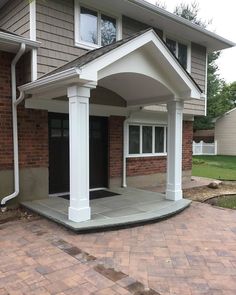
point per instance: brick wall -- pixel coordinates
(187, 145)
(32, 127)
(115, 146)
(145, 165)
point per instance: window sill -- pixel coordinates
(86, 45)
(146, 155)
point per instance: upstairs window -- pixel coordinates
(180, 50)
(93, 28)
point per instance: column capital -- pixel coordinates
(80, 91)
(175, 105)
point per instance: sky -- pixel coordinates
(222, 14)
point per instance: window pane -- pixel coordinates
(56, 133)
(56, 123)
(147, 139)
(88, 25)
(134, 139)
(66, 124)
(108, 30)
(159, 139)
(183, 52)
(172, 45)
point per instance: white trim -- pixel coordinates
(33, 20)
(15, 39)
(206, 80)
(180, 20)
(34, 65)
(87, 45)
(141, 154)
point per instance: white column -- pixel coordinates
(174, 151)
(79, 209)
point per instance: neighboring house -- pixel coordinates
(130, 75)
(225, 133)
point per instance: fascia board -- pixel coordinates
(14, 39)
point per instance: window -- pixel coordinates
(134, 139)
(179, 50)
(94, 28)
(146, 140)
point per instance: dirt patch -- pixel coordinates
(201, 194)
(15, 214)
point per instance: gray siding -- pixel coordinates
(14, 16)
(55, 30)
(198, 66)
(225, 134)
(131, 26)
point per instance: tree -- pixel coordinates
(190, 12)
(160, 4)
(217, 90)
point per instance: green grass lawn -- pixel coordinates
(217, 167)
(227, 202)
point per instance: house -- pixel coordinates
(107, 94)
(225, 133)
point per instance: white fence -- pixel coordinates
(203, 148)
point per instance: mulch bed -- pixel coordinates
(15, 214)
(202, 194)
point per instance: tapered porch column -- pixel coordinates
(79, 209)
(174, 151)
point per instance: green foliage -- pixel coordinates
(190, 12)
(221, 97)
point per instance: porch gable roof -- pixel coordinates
(86, 67)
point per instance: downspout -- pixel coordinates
(124, 183)
(15, 102)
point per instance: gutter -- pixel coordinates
(15, 39)
(180, 20)
(15, 102)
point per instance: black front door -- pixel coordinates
(59, 152)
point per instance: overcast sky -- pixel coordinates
(222, 14)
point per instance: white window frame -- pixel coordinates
(88, 45)
(184, 42)
(141, 154)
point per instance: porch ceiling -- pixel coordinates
(141, 69)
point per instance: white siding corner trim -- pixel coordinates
(33, 37)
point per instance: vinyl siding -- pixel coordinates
(55, 30)
(14, 16)
(225, 134)
(198, 64)
(131, 26)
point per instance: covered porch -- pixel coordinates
(142, 71)
(130, 207)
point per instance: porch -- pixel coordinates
(142, 72)
(132, 206)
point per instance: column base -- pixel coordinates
(174, 195)
(79, 215)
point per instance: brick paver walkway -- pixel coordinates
(191, 253)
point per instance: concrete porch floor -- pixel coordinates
(132, 206)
